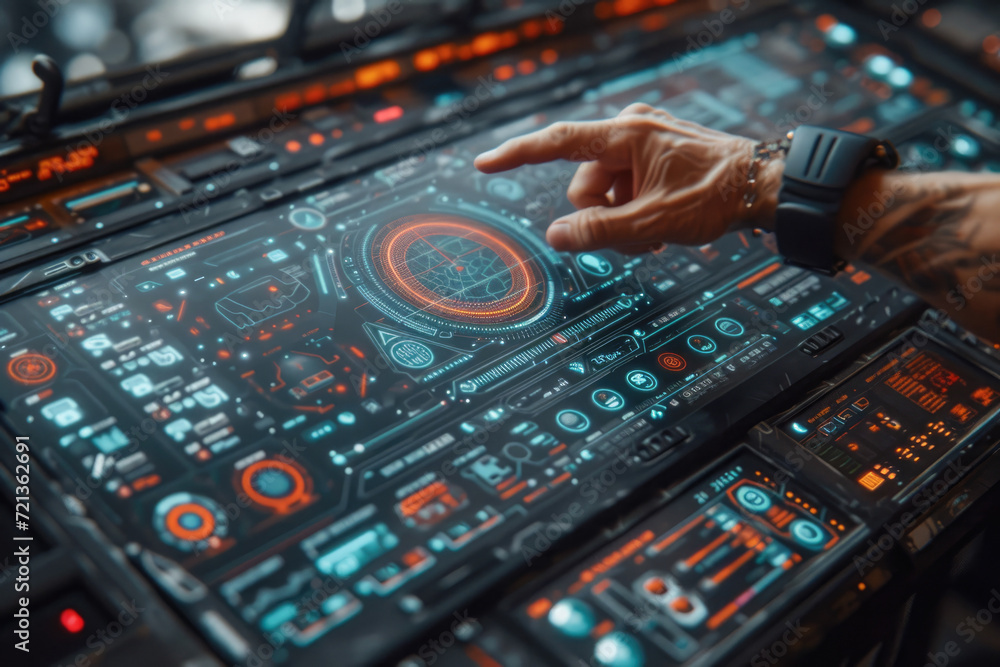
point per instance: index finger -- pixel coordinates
(578, 141)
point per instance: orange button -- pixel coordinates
(682, 605)
(672, 362)
(656, 586)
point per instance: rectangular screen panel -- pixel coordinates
(696, 571)
(888, 424)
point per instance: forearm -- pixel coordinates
(937, 233)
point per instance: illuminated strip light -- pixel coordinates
(444, 369)
(468, 536)
(506, 368)
(319, 275)
(103, 196)
(388, 114)
(14, 221)
(723, 615)
(766, 271)
(383, 588)
(337, 282)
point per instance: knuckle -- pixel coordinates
(576, 189)
(636, 108)
(582, 234)
(641, 124)
(575, 195)
(561, 130)
(594, 230)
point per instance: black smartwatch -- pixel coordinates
(820, 165)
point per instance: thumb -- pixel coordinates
(594, 228)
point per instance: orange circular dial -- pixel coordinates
(190, 522)
(672, 362)
(275, 484)
(458, 269)
(31, 368)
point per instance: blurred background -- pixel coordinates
(92, 38)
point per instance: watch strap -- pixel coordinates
(821, 164)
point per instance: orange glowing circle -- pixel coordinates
(197, 534)
(672, 362)
(826, 22)
(299, 486)
(31, 368)
(426, 60)
(421, 235)
(526, 67)
(503, 72)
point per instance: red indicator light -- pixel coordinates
(293, 146)
(504, 72)
(219, 122)
(486, 43)
(345, 87)
(672, 362)
(376, 74)
(316, 139)
(71, 620)
(315, 94)
(531, 29)
(426, 60)
(389, 114)
(826, 22)
(154, 135)
(288, 101)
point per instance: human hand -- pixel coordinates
(647, 178)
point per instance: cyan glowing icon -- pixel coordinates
(594, 264)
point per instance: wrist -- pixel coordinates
(761, 171)
(866, 203)
(761, 214)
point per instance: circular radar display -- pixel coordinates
(275, 484)
(449, 272)
(189, 522)
(31, 368)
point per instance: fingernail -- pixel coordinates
(487, 155)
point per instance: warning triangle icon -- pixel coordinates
(409, 353)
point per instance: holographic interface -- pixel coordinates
(372, 386)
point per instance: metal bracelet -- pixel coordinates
(762, 152)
